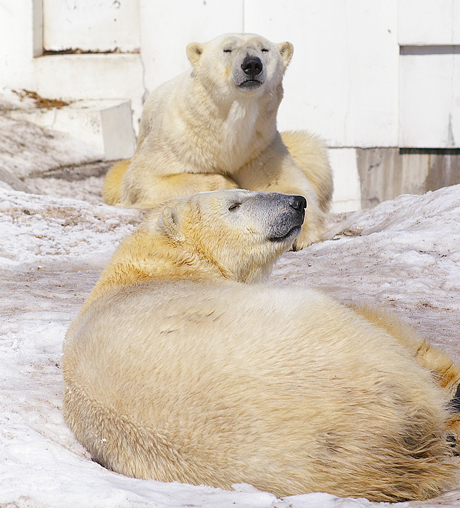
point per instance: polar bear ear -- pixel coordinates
(170, 221)
(287, 50)
(194, 52)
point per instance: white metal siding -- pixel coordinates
(91, 25)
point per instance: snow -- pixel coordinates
(26, 148)
(403, 254)
(12, 99)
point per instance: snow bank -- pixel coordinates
(42, 230)
(26, 148)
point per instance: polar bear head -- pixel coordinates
(242, 233)
(240, 63)
(235, 235)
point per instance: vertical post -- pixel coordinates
(37, 27)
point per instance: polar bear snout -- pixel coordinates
(251, 73)
(298, 204)
(288, 222)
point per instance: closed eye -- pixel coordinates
(234, 207)
(228, 50)
(264, 50)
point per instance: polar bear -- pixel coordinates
(183, 366)
(214, 127)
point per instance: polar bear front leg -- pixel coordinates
(150, 191)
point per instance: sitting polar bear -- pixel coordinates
(214, 128)
(178, 369)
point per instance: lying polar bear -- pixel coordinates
(215, 128)
(182, 366)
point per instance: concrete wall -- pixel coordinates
(387, 172)
(91, 25)
(365, 74)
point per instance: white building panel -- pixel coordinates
(17, 44)
(347, 187)
(430, 96)
(429, 22)
(455, 117)
(91, 25)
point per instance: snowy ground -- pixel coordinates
(404, 254)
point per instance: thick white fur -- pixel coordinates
(177, 372)
(202, 132)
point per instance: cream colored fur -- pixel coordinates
(183, 366)
(202, 131)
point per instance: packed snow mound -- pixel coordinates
(35, 229)
(403, 254)
(406, 236)
(26, 148)
(12, 99)
(412, 213)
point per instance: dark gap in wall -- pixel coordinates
(430, 50)
(429, 151)
(78, 51)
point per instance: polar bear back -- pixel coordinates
(277, 387)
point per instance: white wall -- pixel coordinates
(429, 84)
(430, 96)
(17, 44)
(102, 25)
(429, 22)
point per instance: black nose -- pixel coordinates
(252, 66)
(298, 203)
